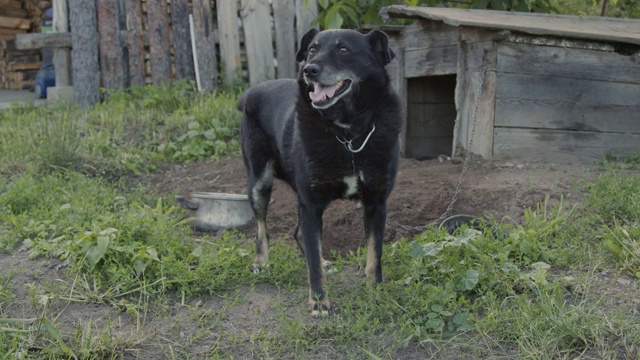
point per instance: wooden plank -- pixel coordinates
(158, 30)
(10, 34)
(306, 13)
(39, 41)
(181, 40)
(61, 56)
(111, 64)
(285, 37)
(567, 63)
(227, 12)
(585, 143)
(399, 84)
(16, 12)
(134, 43)
(596, 28)
(86, 71)
(258, 41)
(24, 66)
(431, 61)
(578, 91)
(206, 46)
(422, 34)
(567, 115)
(14, 23)
(472, 58)
(13, 4)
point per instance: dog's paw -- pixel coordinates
(258, 268)
(320, 309)
(329, 268)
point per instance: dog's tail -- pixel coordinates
(241, 102)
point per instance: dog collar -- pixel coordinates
(349, 145)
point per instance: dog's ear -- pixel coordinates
(379, 42)
(304, 44)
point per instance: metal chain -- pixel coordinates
(465, 167)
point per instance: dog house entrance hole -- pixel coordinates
(431, 115)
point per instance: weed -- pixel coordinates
(610, 161)
(615, 196)
(623, 243)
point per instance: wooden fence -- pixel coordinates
(122, 43)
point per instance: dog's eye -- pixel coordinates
(343, 51)
(312, 51)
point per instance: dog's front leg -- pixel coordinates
(311, 230)
(297, 235)
(374, 223)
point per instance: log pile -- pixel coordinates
(18, 68)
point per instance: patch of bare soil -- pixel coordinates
(423, 191)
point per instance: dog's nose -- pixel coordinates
(311, 70)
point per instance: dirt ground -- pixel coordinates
(500, 189)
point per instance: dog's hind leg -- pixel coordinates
(374, 223)
(259, 185)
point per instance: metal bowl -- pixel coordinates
(215, 211)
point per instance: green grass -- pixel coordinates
(535, 290)
(132, 131)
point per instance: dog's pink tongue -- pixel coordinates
(320, 92)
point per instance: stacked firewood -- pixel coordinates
(18, 68)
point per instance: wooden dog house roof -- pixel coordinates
(588, 28)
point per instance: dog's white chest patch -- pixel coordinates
(352, 185)
(353, 182)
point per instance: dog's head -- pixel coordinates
(338, 61)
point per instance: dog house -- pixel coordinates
(545, 83)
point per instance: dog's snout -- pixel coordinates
(311, 70)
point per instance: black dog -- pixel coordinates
(330, 134)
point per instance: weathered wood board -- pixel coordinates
(580, 91)
(206, 45)
(430, 49)
(111, 64)
(476, 78)
(584, 143)
(181, 40)
(159, 54)
(38, 41)
(86, 70)
(285, 38)
(306, 12)
(592, 28)
(61, 56)
(256, 22)
(229, 41)
(567, 115)
(566, 62)
(134, 43)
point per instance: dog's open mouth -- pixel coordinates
(324, 96)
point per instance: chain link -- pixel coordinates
(465, 167)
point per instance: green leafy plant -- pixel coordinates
(201, 143)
